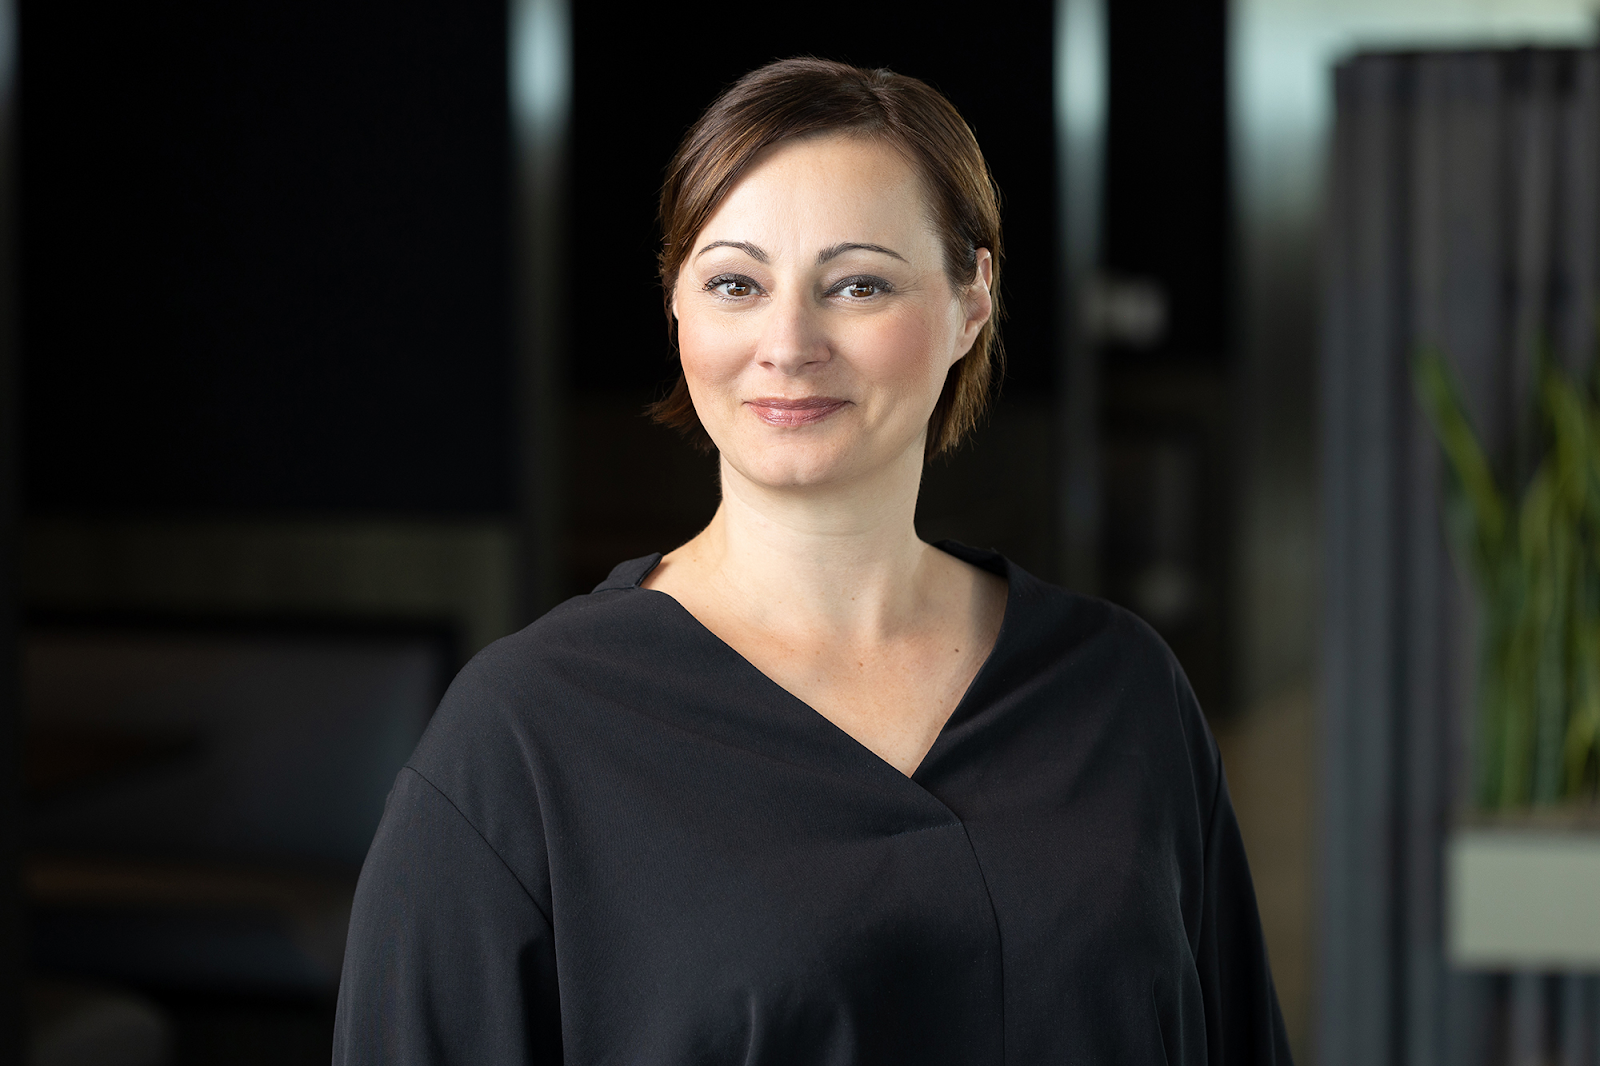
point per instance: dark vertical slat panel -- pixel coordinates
(1583, 326)
(1378, 495)
(1455, 252)
(1571, 1048)
(1530, 90)
(1335, 956)
(1578, 237)
(541, 62)
(1423, 715)
(1082, 59)
(1468, 325)
(1529, 145)
(12, 942)
(1421, 923)
(1359, 465)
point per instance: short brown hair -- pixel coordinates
(797, 97)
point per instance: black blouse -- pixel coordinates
(619, 842)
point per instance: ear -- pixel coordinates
(976, 302)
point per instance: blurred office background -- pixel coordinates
(326, 336)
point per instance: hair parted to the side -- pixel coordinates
(799, 97)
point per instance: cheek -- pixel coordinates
(709, 353)
(905, 352)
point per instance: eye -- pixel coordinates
(732, 286)
(863, 287)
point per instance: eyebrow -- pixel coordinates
(851, 246)
(746, 247)
(755, 251)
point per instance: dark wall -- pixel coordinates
(1166, 415)
(265, 255)
(1166, 182)
(641, 81)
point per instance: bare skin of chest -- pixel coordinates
(890, 691)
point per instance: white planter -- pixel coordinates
(1523, 898)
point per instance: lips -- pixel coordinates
(777, 411)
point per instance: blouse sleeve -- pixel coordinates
(1244, 1026)
(449, 960)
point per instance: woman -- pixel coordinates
(807, 789)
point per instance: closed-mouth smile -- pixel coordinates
(777, 411)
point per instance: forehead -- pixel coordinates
(826, 187)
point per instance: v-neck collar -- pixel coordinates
(630, 575)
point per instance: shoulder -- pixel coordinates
(1054, 627)
(580, 634)
(509, 716)
(1112, 672)
(537, 675)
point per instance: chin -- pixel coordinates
(794, 475)
(796, 464)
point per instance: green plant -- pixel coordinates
(1536, 566)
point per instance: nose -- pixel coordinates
(793, 337)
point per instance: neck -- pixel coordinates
(843, 557)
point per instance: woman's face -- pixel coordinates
(816, 323)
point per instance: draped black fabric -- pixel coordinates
(1464, 217)
(620, 842)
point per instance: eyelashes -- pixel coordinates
(877, 286)
(732, 281)
(856, 288)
